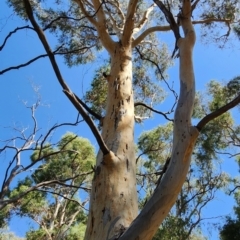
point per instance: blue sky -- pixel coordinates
(15, 87)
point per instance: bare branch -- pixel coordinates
(153, 110)
(97, 116)
(70, 18)
(5, 202)
(26, 146)
(144, 19)
(161, 74)
(210, 20)
(11, 33)
(23, 64)
(56, 52)
(194, 5)
(65, 197)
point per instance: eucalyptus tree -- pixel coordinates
(128, 31)
(6, 235)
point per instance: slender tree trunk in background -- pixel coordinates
(114, 202)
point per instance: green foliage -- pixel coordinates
(77, 232)
(155, 144)
(172, 228)
(175, 228)
(97, 95)
(33, 203)
(231, 228)
(72, 155)
(56, 207)
(36, 234)
(6, 235)
(4, 216)
(215, 135)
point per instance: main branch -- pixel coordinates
(65, 87)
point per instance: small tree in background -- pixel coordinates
(56, 207)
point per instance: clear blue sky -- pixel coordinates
(15, 86)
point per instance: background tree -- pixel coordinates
(6, 235)
(126, 32)
(56, 207)
(230, 229)
(25, 140)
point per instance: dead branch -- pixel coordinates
(153, 110)
(11, 33)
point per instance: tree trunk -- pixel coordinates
(113, 204)
(184, 138)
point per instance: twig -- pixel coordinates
(12, 32)
(165, 167)
(170, 19)
(153, 110)
(160, 71)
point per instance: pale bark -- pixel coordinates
(184, 138)
(113, 200)
(113, 204)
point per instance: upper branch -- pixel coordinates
(218, 113)
(100, 24)
(148, 31)
(153, 110)
(144, 19)
(170, 19)
(129, 23)
(45, 44)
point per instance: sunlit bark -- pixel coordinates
(184, 138)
